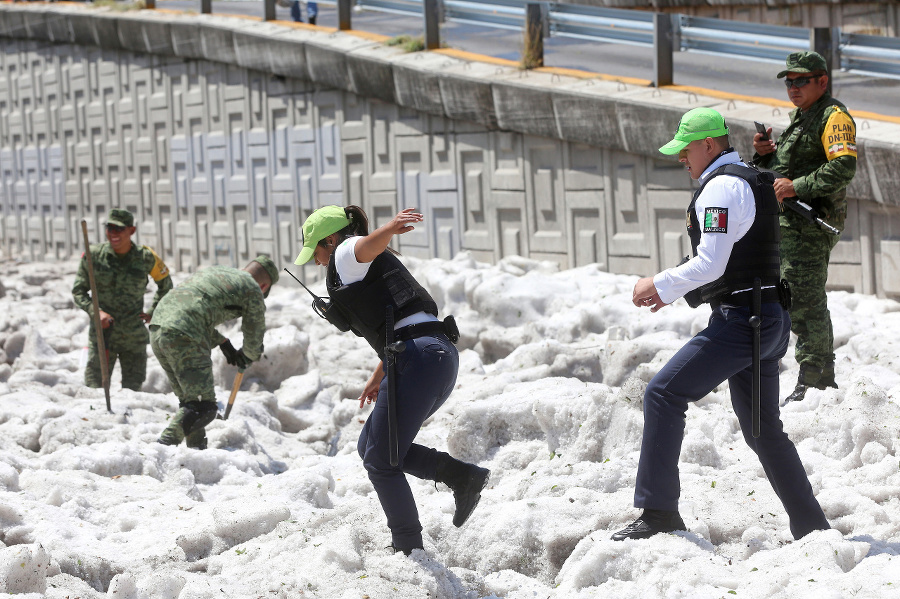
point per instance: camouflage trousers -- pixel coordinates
(186, 362)
(132, 362)
(805, 251)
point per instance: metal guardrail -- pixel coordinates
(502, 14)
(870, 54)
(603, 24)
(874, 55)
(866, 54)
(735, 38)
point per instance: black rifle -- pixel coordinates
(391, 349)
(325, 308)
(810, 214)
(804, 209)
(755, 322)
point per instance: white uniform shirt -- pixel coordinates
(725, 197)
(350, 270)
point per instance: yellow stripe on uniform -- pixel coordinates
(160, 270)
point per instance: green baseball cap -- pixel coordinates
(698, 123)
(320, 224)
(120, 217)
(803, 62)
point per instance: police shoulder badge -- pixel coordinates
(715, 220)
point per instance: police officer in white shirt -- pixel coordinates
(733, 227)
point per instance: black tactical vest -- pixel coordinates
(757, 253)
(364, 303)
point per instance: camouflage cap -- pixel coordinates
(270, 267)
(120, 217)
(803, 62)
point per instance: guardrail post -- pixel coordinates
(663, 47)
(534, 36)
(824, 40)
(206, 7)
(268, 10)
(432, 12)
(344, 10)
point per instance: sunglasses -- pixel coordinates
(799, 81)
(115, 228)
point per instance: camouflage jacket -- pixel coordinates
(817, 151)
(121, 283)
(210, 297)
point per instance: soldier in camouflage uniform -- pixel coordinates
(183, 333)
(816, 155)
(121, 269)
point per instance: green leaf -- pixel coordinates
(713, 485)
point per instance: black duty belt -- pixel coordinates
(745, 298)
(420, 329)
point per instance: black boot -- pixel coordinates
(796, 395)
(465, 480)
(407, 552)
(650, 523)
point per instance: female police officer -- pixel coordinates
(364, 279)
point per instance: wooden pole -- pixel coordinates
(101, 344)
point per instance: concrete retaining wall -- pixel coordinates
(223, 134)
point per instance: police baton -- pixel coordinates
(95, 300)
(755, 322)
(391, 349)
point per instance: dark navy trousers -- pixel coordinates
(426, 374)
(724, 351)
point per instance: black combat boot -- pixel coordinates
(407, 552)
(196, 439)
(650, 523)
(797, 394)
(465, 480)
(819, 378)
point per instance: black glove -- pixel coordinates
(229, 351)
(242, 361)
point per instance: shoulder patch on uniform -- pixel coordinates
(839, 135)
(715, 220)
(160, 271)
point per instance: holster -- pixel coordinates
(784, 294)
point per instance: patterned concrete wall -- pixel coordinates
(221, 162)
